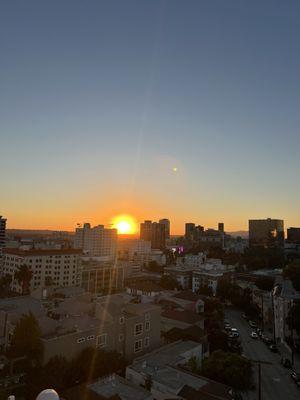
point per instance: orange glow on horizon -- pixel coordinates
(125, 224)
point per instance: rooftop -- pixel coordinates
(41, 252)
(189, 317)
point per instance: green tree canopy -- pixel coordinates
(293, 318)
(23, 276)
(228, 368)
(26, 340)
(167, 282)
(292, 272)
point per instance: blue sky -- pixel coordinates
(99, 100)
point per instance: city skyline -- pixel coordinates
(151, 109)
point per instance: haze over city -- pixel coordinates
(154, 109)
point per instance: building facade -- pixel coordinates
(166, 222)
(2, 237)
(55, 267)
(153, 232)
(97, 277)
(96, 241)
(267, 233)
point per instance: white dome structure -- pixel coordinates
(48, 394)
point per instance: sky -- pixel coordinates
(101, 100)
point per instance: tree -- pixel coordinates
(228, 368)
(265, 283)
(23, 276)
(218, 340)
(167, 282)
(205, 290)
(5, 282)
(26, 340)
(292, 272)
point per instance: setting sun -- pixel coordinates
(125, 224)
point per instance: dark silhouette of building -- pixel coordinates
(221, 227)
(268, 233)
(166, 222)
(293, 235)
(154, 232)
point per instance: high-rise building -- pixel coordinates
(293, 235)
(2, 236)
(189, 230)
(266, 233)
(153, 232)
(97, 241)
(166, 222)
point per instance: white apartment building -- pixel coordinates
(60, 267)
(97, 241)
(191, 260)
(2, 236)
(134, 250)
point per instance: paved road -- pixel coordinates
(276, 381)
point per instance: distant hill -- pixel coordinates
(243, 234)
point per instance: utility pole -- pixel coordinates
(260, 362)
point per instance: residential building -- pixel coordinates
(284, 296)
(101, 277)
(108, 388)
(221, 227)
(166, 222)
(96, 241)
(155, 233)
(168, 371)
(138, 250)
(2, 237)
(191, 260)
(206, 278)
(56, 267)
(293, 235)
(268, 233)
(209, 238)
(70, 324)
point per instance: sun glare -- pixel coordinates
(125, 224)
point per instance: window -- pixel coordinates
(147, 325)
(121, 337)
(147, 316)
(146, 341)
(81, 340)
(91, 337)
(138, 329)
(101, 340)
(121, 320)
(138, 344)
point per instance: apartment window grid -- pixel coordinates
(138, 345)
(138, 329)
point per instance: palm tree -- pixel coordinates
(23, 276)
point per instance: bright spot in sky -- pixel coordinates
(125, 224)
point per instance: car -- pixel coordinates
(295, 376)
(274, 348)
(254, 335)
(244, 316)
(227, 328)
(252, 324)
(267, 340)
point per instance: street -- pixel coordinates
(276, 380)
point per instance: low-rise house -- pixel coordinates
(166, 372)
(108, 388)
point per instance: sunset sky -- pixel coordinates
(187, 110)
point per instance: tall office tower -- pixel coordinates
(221, 226)
(2, 236)
(189, 231)
(166, 222)
(97, 241)
(153, 232)
(266, 233)
(293, 235)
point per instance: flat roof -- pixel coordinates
(41, 252)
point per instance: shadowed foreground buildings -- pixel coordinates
(2, 236)
(267, 233)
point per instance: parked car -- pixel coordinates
(252, 324)
(254, 335)
(244, 316)
(267, 340)
(274, 348)
(227, 327)
(296, 378)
